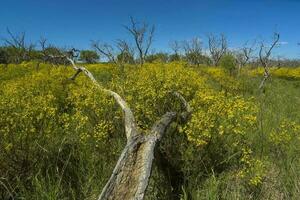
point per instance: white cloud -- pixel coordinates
(282, 43)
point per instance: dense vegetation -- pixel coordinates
(60, 139)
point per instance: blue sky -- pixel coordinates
(77, 22)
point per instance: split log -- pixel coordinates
(131, 174)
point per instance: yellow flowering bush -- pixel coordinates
(45, 116)
(283, 72)
(93, 115)
(224, 116)
(284, 134)
(50, 124)
(220, 121)
(148, 90)
(220, 77)
(220, 128)
(253, 170)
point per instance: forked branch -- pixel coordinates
(130, 124)
(264, 57)
(130, 177)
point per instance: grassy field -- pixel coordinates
(60, 139)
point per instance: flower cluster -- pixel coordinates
(285, 133)
(283, 72)
(253, 170)
(220, 115)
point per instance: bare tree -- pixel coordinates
(120, 53)
(126, 52)
(244, 55)
(193, 46)
(21, 49)
(264, 57)
(50, 53)
(193, 51)
(106, 50)
(43, 43)
(217, 47)
(175, 46)
(135, 162)
(143, 35)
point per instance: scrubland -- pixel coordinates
(60, 139)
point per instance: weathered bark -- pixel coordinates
(130, 125)
(130, 177)
(131, 174)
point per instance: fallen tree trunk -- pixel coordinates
(130, 177)
(131, 174)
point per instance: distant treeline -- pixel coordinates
(10, 54)
(137, 50)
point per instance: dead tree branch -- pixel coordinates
(22, 50)
(193, 50)
(120, 54)
(130, 125)
(51, 54)
(106, 50)
(217, 47)
(130, 177)
(244, 55)
(264, 57)
(143, 37)
(175, 46)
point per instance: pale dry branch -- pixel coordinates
(130, 177)
(264, 57)
(130, 125)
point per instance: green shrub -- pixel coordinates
(228, 62)
(88, 56)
